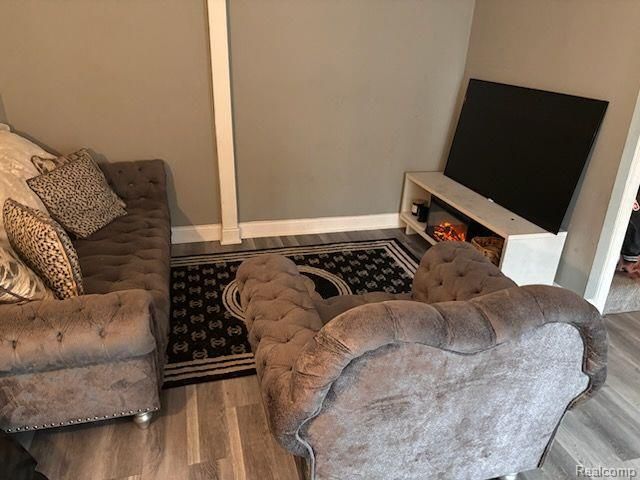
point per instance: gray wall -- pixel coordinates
(129, 79)
(334, 100)
(583, 47)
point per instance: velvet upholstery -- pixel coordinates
(134, 251)
(47, 335)
(469, 417)
(462, 304)
(456, 272)
(332, 307)
(101, 354)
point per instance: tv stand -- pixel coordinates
(530, 255)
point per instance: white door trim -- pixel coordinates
(222, 112)
(617, 217)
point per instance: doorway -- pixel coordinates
(625, 188)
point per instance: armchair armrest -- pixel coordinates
(281, 319)
(89, 329)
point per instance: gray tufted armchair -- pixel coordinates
(468, 377)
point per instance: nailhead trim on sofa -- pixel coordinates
(81, 420)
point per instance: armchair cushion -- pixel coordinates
(332, 307)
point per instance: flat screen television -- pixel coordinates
(524, 149)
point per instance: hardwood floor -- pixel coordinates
(218, 430)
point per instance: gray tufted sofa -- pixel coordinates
(466, 378)
(100, 355)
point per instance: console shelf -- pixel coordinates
(530, 254)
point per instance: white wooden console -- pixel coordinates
(530, 254)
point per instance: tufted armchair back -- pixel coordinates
(468, 379)
(456, 271)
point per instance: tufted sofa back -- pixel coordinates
(452, 271)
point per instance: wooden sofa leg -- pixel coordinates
(142, 420)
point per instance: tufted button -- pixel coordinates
(60, 336)
(102, 333)
(14, 344)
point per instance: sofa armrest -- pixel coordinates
(51, 334)
(464, 327)
(142, 179)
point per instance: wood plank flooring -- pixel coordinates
(218, 430)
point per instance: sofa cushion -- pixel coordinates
(45, 247)
(78, 196)
(132, 252)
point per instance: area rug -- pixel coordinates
(208, 336)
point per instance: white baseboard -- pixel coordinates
(306, 226)
(298, 226)
(196, 233)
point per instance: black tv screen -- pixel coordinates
(523, 148)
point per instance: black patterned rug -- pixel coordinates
(208, 337)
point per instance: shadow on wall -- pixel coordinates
(4, 119)
(3, 114)
(176, 211)
(575, 270)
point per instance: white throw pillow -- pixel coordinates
(18, 283)
(15, 169)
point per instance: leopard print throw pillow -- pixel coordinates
(46, 165)
(45, 247)
(78, 196)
